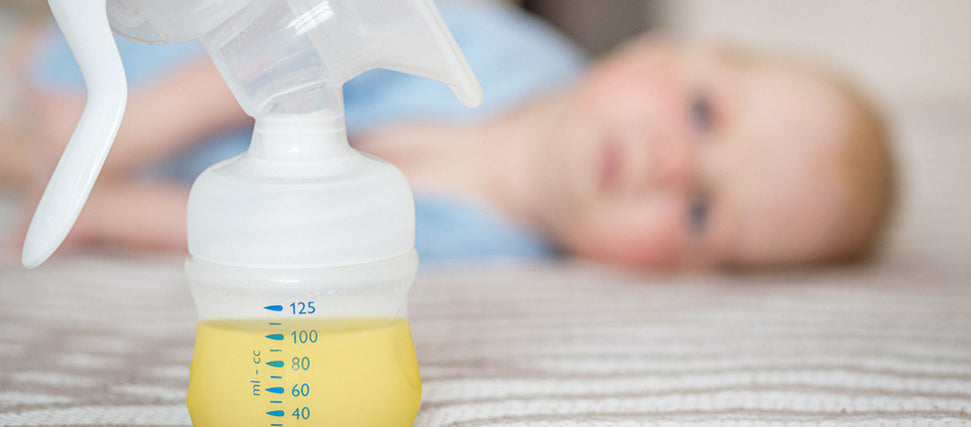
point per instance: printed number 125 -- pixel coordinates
(301, 307)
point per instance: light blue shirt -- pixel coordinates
(513, 54)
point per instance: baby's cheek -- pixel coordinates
(627, 98)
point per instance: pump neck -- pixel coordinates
(299, 137)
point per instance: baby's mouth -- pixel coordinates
(609, 165)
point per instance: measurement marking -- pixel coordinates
(275, 413)
(275, 363)
(276, 401)
(275, 350)
(254, 381)
(275, 390)
(275, 323)
(276, 377)
(275, 337)
(274, 307)
(276, 425)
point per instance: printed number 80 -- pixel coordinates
(300, 363)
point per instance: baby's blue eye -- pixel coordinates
(702, 113)
(698, 211)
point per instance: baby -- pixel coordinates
(668, 155)
(661, 155)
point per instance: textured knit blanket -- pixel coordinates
(105, 341)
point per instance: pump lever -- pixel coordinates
(85, 27)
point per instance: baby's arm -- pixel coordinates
(139, 216)
(175, 113)
(163, 118)
(144, 216)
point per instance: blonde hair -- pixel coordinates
(865, 159)
(866, 162)
(870, 174)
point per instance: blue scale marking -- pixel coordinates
(276, 364)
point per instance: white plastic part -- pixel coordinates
(85, 26)
(301, 197)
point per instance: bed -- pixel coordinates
(106, 338)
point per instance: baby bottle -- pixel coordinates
(301, 249)
(301, 259)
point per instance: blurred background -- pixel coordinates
(914, 58)
(904, 52)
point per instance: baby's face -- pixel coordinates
(673, 156)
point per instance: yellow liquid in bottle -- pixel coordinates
(304, 372)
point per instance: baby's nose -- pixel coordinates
(673, 167)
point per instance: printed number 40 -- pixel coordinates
(303, 307)
(301, 413)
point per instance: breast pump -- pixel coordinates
(301, 249)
